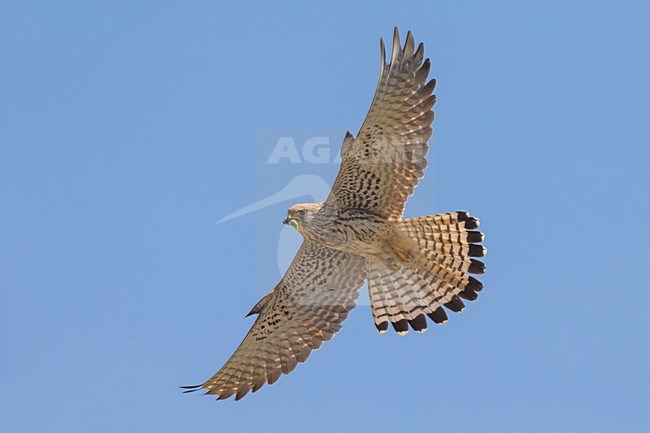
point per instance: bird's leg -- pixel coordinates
(402, 256)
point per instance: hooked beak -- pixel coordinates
(292, 222)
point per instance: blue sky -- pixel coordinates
(128, 128)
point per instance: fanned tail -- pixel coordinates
(433, 256)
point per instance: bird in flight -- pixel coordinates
(415, 268)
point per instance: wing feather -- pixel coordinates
(382, 166)
(305, 309)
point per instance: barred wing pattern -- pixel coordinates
(382, 166)
(306, 308)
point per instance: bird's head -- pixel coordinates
(300, 215)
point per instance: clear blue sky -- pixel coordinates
(128, 128)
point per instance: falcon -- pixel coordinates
(415, 268)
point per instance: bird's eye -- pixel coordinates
(301, 212)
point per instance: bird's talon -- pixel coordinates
(392, 264)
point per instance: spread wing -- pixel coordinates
(381, 167)
(306, 308)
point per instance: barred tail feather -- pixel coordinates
(393, 299)
(437, 254)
